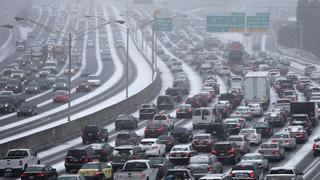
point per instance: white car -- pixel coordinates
(94, 81)
(243, 112)
(252, 135)
(256, 109)
(256, 158)
(153, 147)
(164, 118)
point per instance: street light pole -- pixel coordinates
(301, 38)
(69, 83)
(127, 65)
(152, 48)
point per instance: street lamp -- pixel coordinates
(70, 39)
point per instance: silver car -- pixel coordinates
(202, 164)
(256, 158)
(284, 173)
(241, 141)
(256, 109)
(272, 151)
(286, 140)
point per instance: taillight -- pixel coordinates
(252, 174)
(101, 151)
(232, 174)
(187, 155)
(232, 151)
(160, 129)
(214, 152)
(210, 168)
(275, 152)
(23, 175)
(287, 141)
(41, 174)
(315, 146)
(238, 126)
(189, 167)
(189, 110)
(84, 159)
(273, 140)
(97, 173)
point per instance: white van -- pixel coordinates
(202, 117)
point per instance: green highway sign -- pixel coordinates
(258, 23)
(163, 24)
(233, 23)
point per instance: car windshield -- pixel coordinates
(235, 139)
(231, 121)
(90, 166)
(202, 137)
(251, 157)
(34, 169)
(160, 117)
(179, 149)
(246, 131)
(135, 166)
(17, 153)
(281, 171)
(269, 146)
(172, 92)
(123, 136)
(199, 160)
(242, 167)
(222, 147)
(164, 138)
(281, 136)
(157, 160)
(123, 151)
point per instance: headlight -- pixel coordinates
(35, 88)
(27, 88)
(6, 105)
(64, 85)
(30, 110)
(77, 86)
(54, 85)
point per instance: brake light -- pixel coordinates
(252, 175)
(275, 152)
(41, 174)
(178, 110)
(254, 136)
(214, 152)
(170, 155)
(23, 175)
(84, 159)
(287, 141)
(238, 126)
(232, 174)
(161, 129)
(315, 146)
(232, 151)
(187, 155)
(97, 173)
(273, 140)
(210, 168)
(101, 151)
(189, 167)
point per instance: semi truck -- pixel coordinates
(235, 54)
(257, 88)
(59, 53)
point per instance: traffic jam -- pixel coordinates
(252, 111)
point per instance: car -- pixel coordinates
(316, 146)
(83, 86)
(71, 177)
(147, 111)
(179, 174)
(263, 128)
(14, 85)
(227, 150)
(258, 158)
(93, 80)
(60, 86)
(252, 135)
(168, 140)
(234, 125)
(202, 164)
(163, 164)
(246, 170)
(40, 171)
(126, 122)
(103, 150)
(106, 56)
(298, 132)
(223, 107)
(256, 109)
(243, 112)
(216, 177)
(153, 147)
(61, 96)
(127, 138)
(78, 156)
(181, 152)
(164, 118)
(184, 111)
(156, 129)
(27, 109)
(90, 43)
(203, 142)
(275, 118)
(284, 173)
(182, 134)
(165, 102)
(92, 133)
(33, 88)
(302, 119)
(290, 94)
(241, 141)
(286, 140)
(272, 150)
(174, 93)
(121, 154)
(99, 170)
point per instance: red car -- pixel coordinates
(156, 129)
(204, 142)
(60, 96)
(83, 86)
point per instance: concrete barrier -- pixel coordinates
(59, 134)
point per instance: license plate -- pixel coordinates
(241, 175)
(89, 134)
(31, 177)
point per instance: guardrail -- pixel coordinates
(48, 138)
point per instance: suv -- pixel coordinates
(165, 103)
(203, 141)
(127, 138)
(92, 133)
(78, 156)
(147, 111)
(122, 154)
(164, 118)
(216, 177)
(202, 164)
(246, 171)
(126, 122)
(227, 150)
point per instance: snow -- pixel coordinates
(8, 47)
(23, 32)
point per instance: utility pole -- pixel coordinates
(301, 38)
(152, 46)
(69, 78)
(127, 64)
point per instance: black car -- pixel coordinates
(33, 87)
(163, 165)
(168, 140)
(27, 109)
(165, 102)
(44, 84)
(126, 122)
(40, 171)
(124, 153)
(182, 134)
(174, 93)
(147, 111)
(227, 150)
(78, 156)
(92, 133)
(3, 82)
(264, 129)
(14, 85)
(103, 151)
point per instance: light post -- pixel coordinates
(300, 24)
(70, 36)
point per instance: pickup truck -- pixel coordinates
(137, 170)
(17, 160)
(278, 173)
